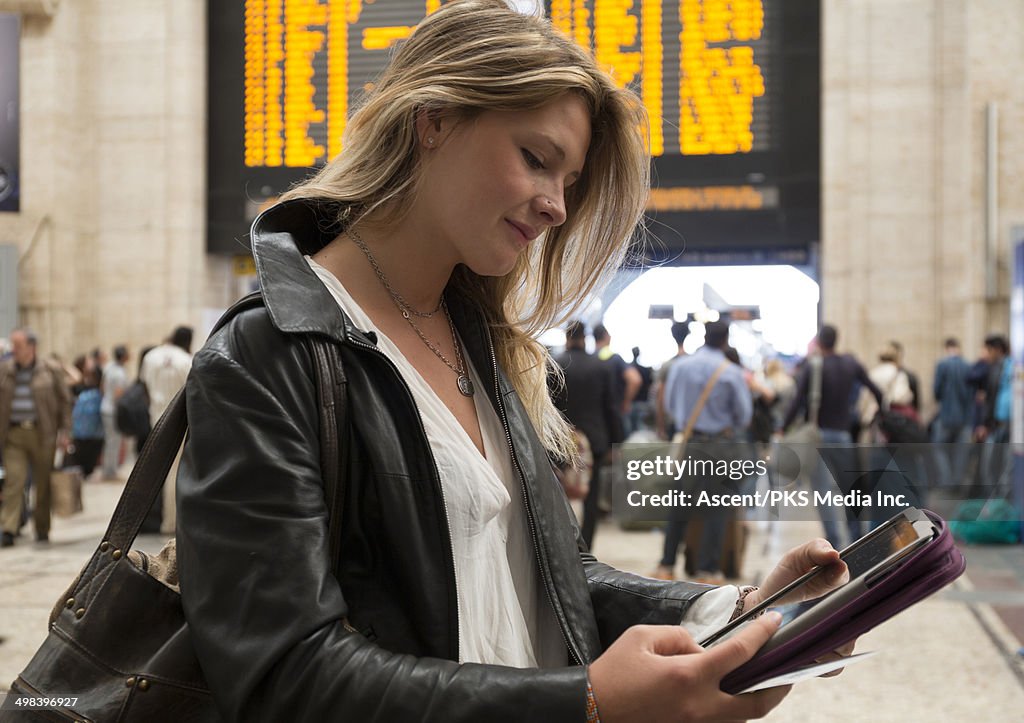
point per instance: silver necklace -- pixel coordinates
(464, 383)
(404, 305)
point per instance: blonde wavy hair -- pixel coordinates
(473, 56)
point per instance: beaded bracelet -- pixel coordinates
(592, 714)
(741, 601)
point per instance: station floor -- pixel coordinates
(953, 657)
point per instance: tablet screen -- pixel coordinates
(879, 547)
(862, 557)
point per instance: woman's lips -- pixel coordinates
(525, 233)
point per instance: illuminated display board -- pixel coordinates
(303, 59)
(699, 66)
(730, 86)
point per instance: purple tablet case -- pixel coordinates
(924, 572)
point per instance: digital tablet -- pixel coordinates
(869, 559)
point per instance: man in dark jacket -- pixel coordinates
(626, 380)
(995, 428)
(838, 373)
(587, 400)
(952, 428)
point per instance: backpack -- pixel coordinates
(900, 426)
(86, 420)
(132, 411)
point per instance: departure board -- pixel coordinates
(730, 87)
(700, 66)
(304, 62)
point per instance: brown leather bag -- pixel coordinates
(119, 642)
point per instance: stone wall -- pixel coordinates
(905, 87)
(111, 230)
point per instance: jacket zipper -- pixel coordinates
(436, 479)
(570, 644)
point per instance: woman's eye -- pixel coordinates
(531, 160)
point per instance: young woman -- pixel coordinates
(487, 184)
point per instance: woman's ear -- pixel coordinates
(431, 128)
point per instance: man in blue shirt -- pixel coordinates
(952, 428)
(718, 423)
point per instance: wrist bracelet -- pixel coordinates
(741, 601)
(592, 715)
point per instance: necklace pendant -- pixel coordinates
(465, 386)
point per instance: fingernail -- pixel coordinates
(774, 617)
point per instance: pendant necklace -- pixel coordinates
(464, 383)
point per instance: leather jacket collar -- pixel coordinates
(294, 297)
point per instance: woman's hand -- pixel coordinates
(843, 651)
(797, 562)
(659, 673)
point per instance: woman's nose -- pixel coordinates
(551, 209)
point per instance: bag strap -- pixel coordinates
(332, 392)
(157, 456)
(814, 403)
(692, 421)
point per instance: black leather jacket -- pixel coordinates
(264, 606)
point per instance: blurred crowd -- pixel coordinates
(90, 414)
(84, 418)
(826, 398)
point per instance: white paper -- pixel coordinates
(809, 671)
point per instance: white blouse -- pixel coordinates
(504, 616)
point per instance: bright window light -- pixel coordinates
(788, 300)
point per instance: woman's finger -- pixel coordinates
(828, 658)
(843, 651)
(741, 647)
(819, 552)
(847, 649)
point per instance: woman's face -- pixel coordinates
(494, 183)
